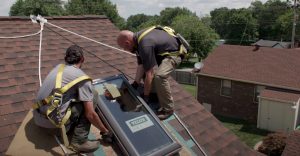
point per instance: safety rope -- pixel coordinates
(23, 36)
(112, 47)
(91, 53)
(40, 52)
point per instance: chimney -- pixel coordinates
(256, 47)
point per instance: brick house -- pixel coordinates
(235, 78)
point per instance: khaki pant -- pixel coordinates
(161, 83)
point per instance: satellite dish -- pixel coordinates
(198, 66)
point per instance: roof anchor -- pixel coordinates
(38, 19)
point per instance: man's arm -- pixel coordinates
(139, 73)
(93, 117)
(148, 81)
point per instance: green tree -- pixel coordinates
(219, 20)
(35, 7)
(153, 21)
(168, 14)
(134, 21)
(267, 16)
(201, 37)
(236, 26)
(242, 27)
(206, 20)
(284, 24)
(95, 7)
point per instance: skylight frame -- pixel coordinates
(123, 141)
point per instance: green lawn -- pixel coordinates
(190, 88)
(188, 64)
(248, 133)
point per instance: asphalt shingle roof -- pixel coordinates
(292, 144)
(19, 77)
(267, 66)
(268, 43)
(279, 95)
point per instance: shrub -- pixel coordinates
(273, 144)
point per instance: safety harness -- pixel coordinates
(57, 112)
(184, 45)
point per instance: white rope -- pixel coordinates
(90, 39)
(40, 52)
(14, 37)
(61, 145)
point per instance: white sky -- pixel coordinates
(152, 7)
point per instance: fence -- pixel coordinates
(184, 76)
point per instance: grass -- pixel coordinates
(188, 64)
(248, 133)
(190, 88)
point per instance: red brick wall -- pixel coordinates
(239, 105)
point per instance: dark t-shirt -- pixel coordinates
(152, 44)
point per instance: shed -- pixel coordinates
(278, 111)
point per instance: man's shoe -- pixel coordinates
(87, 147)
(163, 114)
(107, 137)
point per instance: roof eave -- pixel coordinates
(248, 81)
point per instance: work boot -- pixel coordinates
(107, 137)
(86, 147)
(164, 114)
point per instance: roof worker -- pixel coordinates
(79, 99)
(154, 48)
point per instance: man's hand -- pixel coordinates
(146, 98)
(148, 81)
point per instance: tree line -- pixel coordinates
(271, 20)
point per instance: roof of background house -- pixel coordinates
(267, 66)
(292, 144)
(268, 43)
(19, 77)
(279, 95)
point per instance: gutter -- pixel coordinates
(251, 82)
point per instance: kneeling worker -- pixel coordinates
(73, 108)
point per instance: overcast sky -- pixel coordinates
(152, 7)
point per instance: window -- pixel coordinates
(257, 91)
(134, 124)
(226, 88)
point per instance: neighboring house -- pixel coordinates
(272, 44)
(19, 81)
(233, 77)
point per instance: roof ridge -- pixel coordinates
(81, 17)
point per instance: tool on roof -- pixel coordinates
(113, 90)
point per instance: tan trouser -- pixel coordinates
(161, 83)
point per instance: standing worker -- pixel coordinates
(66, 100)
(158, 52)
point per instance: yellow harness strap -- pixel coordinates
(145, 33)
(56, 99)
(171, 32)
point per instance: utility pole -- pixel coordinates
(294, 24)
